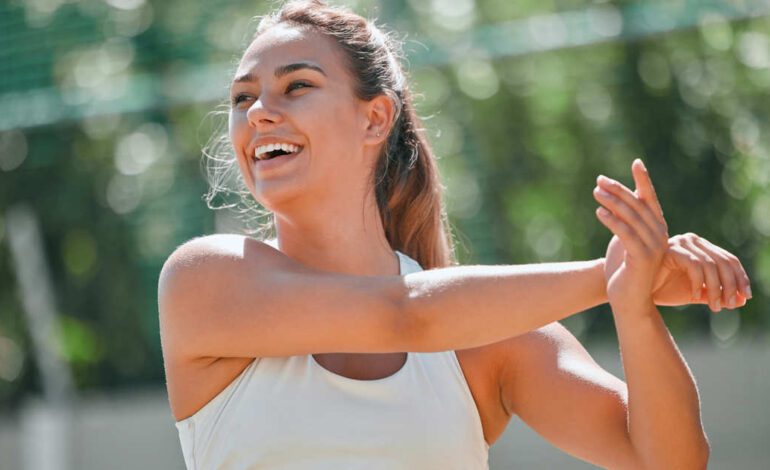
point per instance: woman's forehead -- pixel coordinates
(284, 43)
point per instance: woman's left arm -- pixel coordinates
(652, 420)
(664, 418)
(664, 421)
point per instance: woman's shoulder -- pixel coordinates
(219, 244)
(216, 250)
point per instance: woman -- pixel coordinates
(289, 353)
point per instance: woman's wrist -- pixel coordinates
(642, 308)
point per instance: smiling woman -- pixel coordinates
(353, 339)
(350, 61)
(322, 91)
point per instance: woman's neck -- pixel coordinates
(352, 244)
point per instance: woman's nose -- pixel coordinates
(263, 113)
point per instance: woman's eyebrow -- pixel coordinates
(280, 71)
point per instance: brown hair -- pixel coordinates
(405, 177)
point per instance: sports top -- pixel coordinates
(290, 413)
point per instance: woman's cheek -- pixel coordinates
(237, 129)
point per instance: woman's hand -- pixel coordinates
(689, 262)
(639, 224)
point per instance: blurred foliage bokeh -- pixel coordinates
(105, 105)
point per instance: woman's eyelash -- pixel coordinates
(237, 98)
(292, 86)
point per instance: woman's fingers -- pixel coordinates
(632, 220)
(625, 204)
(734, 280)
(631, 242)
(741, 278)
(645, 189)
(692, 263)
(711, 272)
(640, 211)
(627, 214)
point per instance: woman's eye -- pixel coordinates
(238, 98)
(292, 86)
(297, 85)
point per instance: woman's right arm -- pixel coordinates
(462, 307)
(233, 296)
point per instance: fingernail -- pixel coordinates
(718, 306)
(748, 292)
(696, 295)
(731, 302)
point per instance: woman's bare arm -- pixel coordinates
(664, 419)
(232, 296)
(467, 306)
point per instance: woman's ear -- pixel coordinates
(379, 117)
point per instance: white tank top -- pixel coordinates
(290, 413)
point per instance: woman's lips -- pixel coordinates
(275, 162)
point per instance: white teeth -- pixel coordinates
(260, 152)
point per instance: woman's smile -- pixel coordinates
(270, 163)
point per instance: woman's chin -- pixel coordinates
(273, 197)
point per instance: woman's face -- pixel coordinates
(292, 86)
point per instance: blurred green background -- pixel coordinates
(105, 105)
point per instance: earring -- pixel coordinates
(378, 134)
